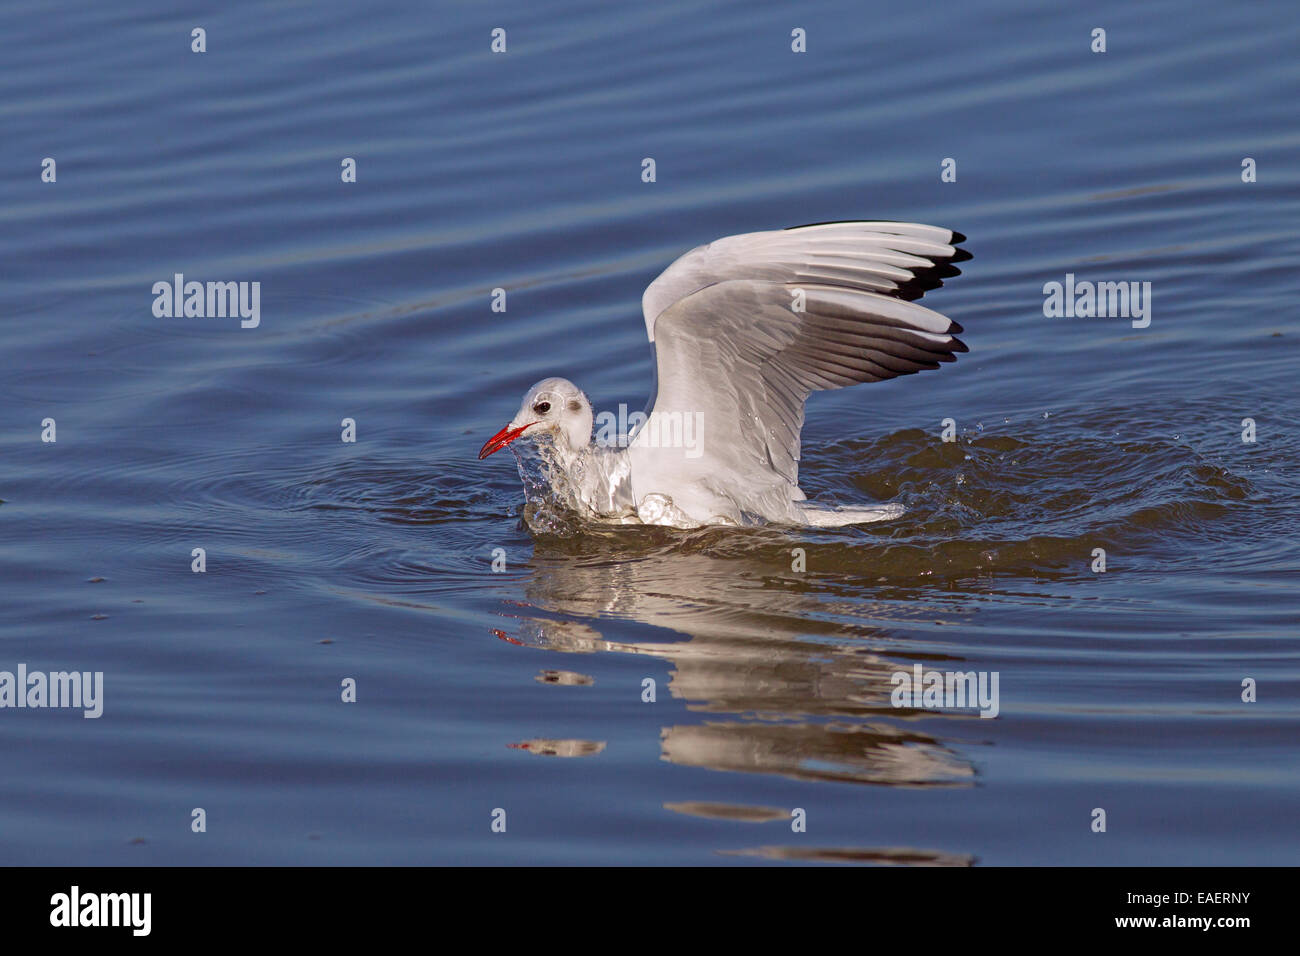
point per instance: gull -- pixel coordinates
(743, 330)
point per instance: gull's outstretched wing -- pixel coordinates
(746, 327)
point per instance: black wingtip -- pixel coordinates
(955, 328)
(957, 237)
(961, 255)
(959, 346)
(835, 222)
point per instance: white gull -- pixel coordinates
(743, 329)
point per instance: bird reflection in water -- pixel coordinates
(797, 688)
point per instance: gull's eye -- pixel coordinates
(541, 408)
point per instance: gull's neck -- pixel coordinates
(591, 478)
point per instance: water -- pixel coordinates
(522, 690)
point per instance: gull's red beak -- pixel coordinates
(502, 438)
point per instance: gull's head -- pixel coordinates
(554, 407)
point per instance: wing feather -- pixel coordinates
(730, 347)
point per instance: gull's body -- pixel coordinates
(743, 330)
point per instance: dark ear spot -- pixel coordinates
(575, 405)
